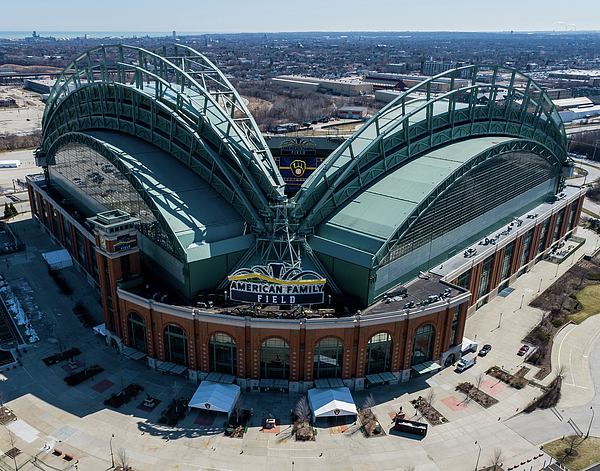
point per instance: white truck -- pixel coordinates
(466, 362)
(468, 346)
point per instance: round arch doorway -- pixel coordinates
(222, 354)
(274, 359)
(379, 353)
(423, 345)
(137, 332)
(175, 345)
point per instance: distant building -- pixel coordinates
(443, 84)
(7, 101)
(39, 86)
(576, 108)
(436, 67)
(347, 87)
(397, 68)
(352, 112)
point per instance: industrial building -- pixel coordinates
(348, 87)
(160, 186)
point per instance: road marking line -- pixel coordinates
(561, 344)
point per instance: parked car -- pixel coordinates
(485, 350)
(524, 349)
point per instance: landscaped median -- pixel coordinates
(575, 452)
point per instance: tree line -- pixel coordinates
(20, 141)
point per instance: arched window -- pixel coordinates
(137, 332)
(379, 353)
(222, 354)
(274, 359)
(329, 355)
(423, 344)
(175, 345)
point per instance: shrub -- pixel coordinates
(557, 323)
(594, 276)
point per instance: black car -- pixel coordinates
(485, 350)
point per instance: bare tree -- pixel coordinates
(369, 404)
(302, 410)
(430, 397)
(571, 441)
(12, 439)
(479, 380)
(122, 460)
(496, 459)
(238, 409)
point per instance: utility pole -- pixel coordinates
(477, 464)
(112, 459)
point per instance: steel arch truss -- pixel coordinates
(183, 103)
(113, 158)
(413, 218)
(390, 137)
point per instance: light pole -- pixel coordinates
(590, 426)
(522, 298)
(477, 464)
(500, 321)
(112, 459)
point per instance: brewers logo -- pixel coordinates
(298, 167)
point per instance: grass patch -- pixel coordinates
(590, 213)
(594, 276)
(589, 297)
(588, 452)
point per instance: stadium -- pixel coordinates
(158, 182)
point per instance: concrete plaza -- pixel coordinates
(74, 420)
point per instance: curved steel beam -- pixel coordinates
(80, 111)
(413, 218)
(198, 93)
(113, 158)
(374, 149)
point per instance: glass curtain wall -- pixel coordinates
(506, 261)
(559, 222)
(464, 279)
(544, 230)
(83, 171)
(526, 248)
(222, 354)
(137, 332)
(379, 353)
(175, 345)
(484, 281)
(483, 188)
(328, 358)
(572, 215)
(274, 359)
(455, 315)
(423, 344)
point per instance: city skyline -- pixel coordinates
(311, 15)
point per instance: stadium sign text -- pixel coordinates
(276, 285)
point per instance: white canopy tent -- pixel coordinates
(58, 259)
(331, 402)
(215, 396)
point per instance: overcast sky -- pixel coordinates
(300, 15)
